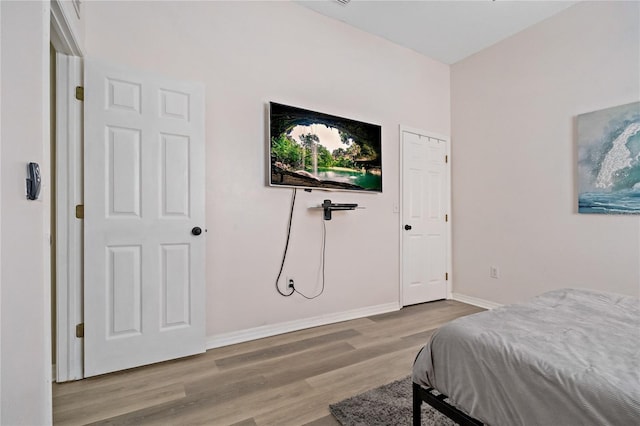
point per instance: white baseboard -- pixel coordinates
(475, 301)
(241, 336)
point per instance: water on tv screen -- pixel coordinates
(314, 150)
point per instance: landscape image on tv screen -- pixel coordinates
(314, 150)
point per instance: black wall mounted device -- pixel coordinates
(328, 207)
(34, 181)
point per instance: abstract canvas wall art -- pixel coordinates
(609, 160)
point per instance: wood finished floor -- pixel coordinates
(283, 380)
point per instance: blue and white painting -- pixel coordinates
(609, 160)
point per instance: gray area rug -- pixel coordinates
(387, 405)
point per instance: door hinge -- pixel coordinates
(446, 276)
(80, 93)
(446, 218)
(80, 330)
(80, 211)
(446, 158)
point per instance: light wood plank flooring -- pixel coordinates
(283, 380)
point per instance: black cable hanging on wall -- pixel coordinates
(286, 249)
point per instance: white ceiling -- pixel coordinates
(447, 31)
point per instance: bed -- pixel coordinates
(567, 357)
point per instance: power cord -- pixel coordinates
(324, 247)
(286, 247)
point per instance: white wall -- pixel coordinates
(249, 53)
(25, 372)
(514, 157)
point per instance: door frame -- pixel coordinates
(402, 129)
(68, 260)
(69, 351)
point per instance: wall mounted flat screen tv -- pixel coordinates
(310, 149)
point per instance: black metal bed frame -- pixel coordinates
(421, 394)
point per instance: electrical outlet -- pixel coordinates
(290, 282)
(494, 272)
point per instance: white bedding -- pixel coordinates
(568, 357)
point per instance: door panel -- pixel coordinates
(124, 291)
(175, 175)
(123, 172)
(425, 192)
(176, 310)
(144, 192)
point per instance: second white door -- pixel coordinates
(425, 233)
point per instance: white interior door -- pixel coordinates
(144, 269)
(425, 233)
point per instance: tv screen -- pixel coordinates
(310, 149)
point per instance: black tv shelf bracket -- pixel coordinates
(329, 207)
